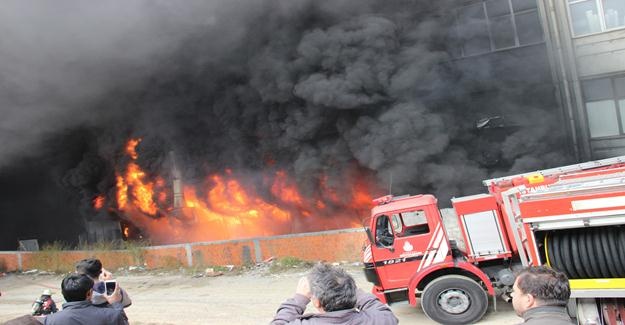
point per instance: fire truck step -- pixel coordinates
(587, 253)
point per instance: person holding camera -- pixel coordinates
(334, 294)
(92, 267)
(77, 290)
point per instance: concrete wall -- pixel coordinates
(335, 245)
(600, 54)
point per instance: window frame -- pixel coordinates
(407, 231)
(512, 13)
(389, 230)
(615, 98)
(600, 11)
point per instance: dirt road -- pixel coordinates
(248, 298)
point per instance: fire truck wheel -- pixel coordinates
(454, 299)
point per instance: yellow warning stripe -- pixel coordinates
(580, 284)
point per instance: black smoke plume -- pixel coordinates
(317, 88)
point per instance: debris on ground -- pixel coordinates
(133, 268)
(211, 272)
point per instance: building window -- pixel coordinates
(605, 106)
(595, 16)
(492, 25)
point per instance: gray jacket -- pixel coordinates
(550, 315)
(83, 312)
(369, 310)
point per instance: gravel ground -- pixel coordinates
(248, 298)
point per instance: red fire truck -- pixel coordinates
(570, 218)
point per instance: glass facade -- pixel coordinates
(595, 16)
(605, 106)
(492, 25)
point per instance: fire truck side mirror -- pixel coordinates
(369, 235)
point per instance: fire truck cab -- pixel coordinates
(411, 256)
(571, 218)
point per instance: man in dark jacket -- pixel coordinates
(540, 295)
(334, 294)
(78, 309)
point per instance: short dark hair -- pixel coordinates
(335, 289)
(75, 287)
(547, 285)
(89, 266)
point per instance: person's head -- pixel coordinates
(76, 287)
(539, 286)
(331, 288)
(89, 266)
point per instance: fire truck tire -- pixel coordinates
(454, 299)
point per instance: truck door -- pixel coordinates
(405, 242)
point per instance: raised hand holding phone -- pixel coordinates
(116, 295)
(110, 286)
(303, 287)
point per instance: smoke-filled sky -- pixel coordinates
(316, 88)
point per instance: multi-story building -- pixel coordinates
(586, 42)
(564, 56)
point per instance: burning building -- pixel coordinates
(223, 206)
(283, 116)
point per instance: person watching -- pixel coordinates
(78, 309)
(334, 294)
(92, 267)
(540, 295)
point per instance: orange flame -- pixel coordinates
(285, 191)
(141, 191)
(131, 148)
(230, 208)
(122, 193)
(98, 202)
